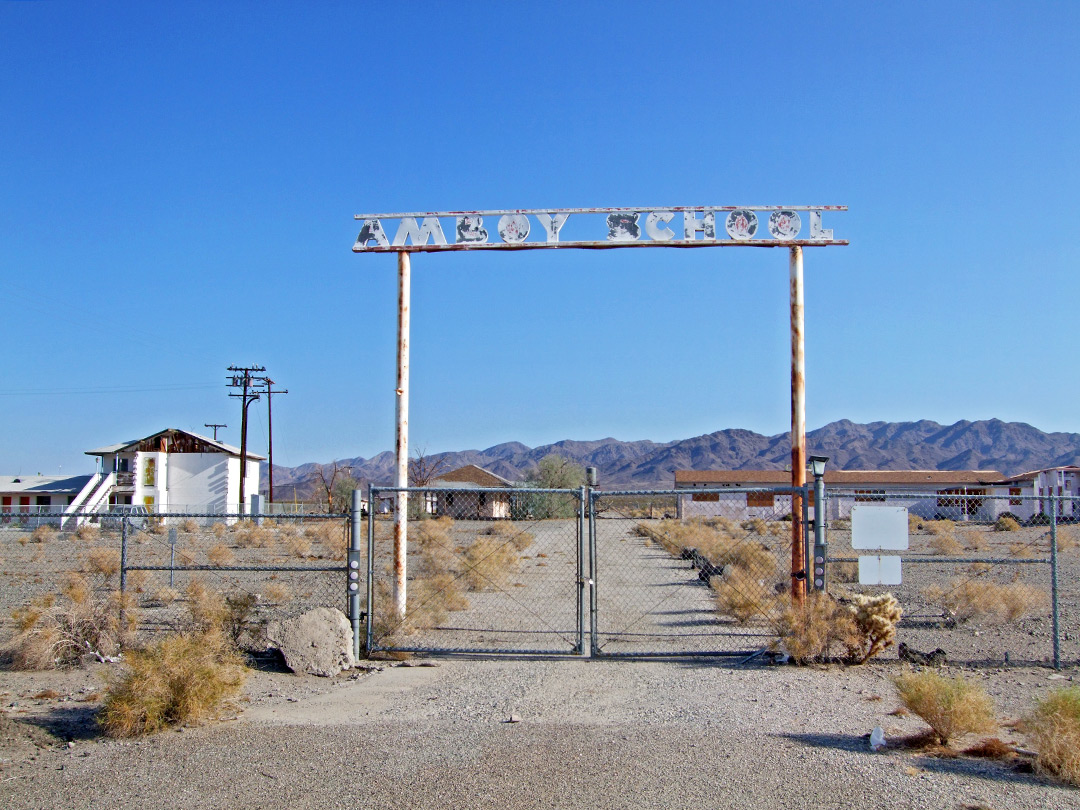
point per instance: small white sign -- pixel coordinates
(879, 570)
(879, 527)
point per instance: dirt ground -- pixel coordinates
(521, 733)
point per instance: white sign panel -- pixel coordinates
(879, 570)
(879, 527)
(526, 228)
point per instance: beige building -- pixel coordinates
(463, 504)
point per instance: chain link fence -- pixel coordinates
(707, 583)
(487, 570)
(168, 569)
(987, 579)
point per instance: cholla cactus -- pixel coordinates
(876, 617)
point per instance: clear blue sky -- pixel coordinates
(178, 183)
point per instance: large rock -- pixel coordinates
(318, 642)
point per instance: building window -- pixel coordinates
(709, 497)
(149, 472)
(1013, 499)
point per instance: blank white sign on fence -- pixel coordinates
(879, 570)
(879, 527)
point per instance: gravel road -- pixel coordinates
(596, 734)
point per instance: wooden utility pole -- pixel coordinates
(242, 378)
(270, 428)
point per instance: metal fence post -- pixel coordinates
(123, 553)
(1054, 581)
(356, 518)
(821, 547)
(584, 498)
(173, 537)
(370, 608)
(593, 639)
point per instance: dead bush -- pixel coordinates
(843, 571)
(298, 545)
(188, 525)
(518, 537)
(1021, 550)
(437, 531)
(488, 563)
(88, 533)
(206, 608)
(876, 618)
(278, 593)
(951, 707)
(42, 534)
(66, 632)
(817, 629)
(1054, 730)
(974, 540)
(741, 596)
(945, 544)
(1066, 538)
(1006, 523)
(988, 601)
(219, 554)
(239, 617)
(103, 561)
(76, 588)
(184, 678)
(248, 534)
(756, 525)
(219, 530)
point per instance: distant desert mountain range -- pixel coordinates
(1010, 447)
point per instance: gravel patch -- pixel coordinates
(606, 734)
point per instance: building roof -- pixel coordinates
(914, 478)
(471, 474)
(173, 440)
(1031, 475)
(43, 484)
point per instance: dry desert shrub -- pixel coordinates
(184, 678)
(66, 632)
(137, 581)
(1021, 550)
(843, 571)
(519, 538)
(298, 545)
(876, 618)
(987, 601)
(160, 597)
(76, 588)
(219, 554)
(741, 596)
(818, 628)
(42, 534)
(219, 530)
(974, 540)
(1007, 523)
(278, 593)
(945, 544)
(248, 534)
(188, 525)
(88, 533)
(103, 561)
(430, 599)
(437, 531)
(488, 563)
(756, 525)
(1054, 730)
(206, 608)
(914, 523)
(951, 707)
(1066, 538)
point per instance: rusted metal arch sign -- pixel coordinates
(679, 226)
(529, 229)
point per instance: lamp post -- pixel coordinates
(821, 548)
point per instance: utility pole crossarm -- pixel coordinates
(244, 379)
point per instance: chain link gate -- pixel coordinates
(681, 573)
(489, 570)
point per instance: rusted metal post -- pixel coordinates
(401, 436)
(798, 428)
